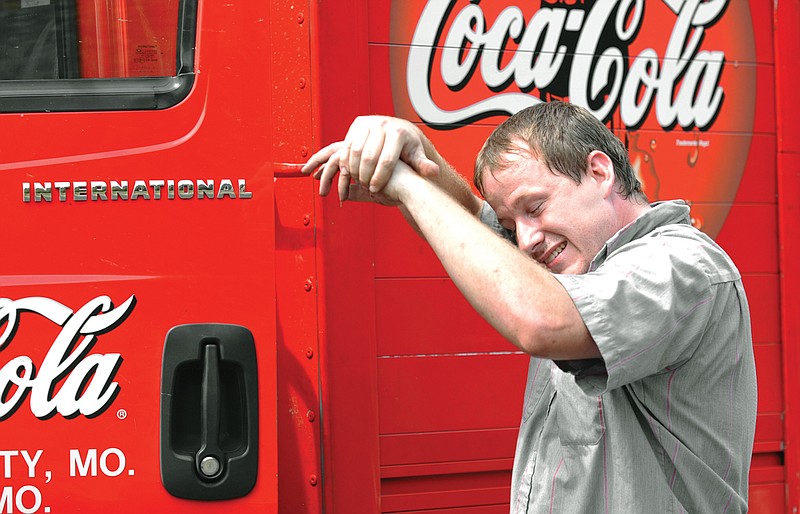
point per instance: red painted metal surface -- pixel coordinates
(195, 260)
(449, 389)
(787, 64)
(300, 415)
(382, 391)
(345, 256)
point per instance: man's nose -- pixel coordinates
(529, 237)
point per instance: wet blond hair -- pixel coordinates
(561, 135)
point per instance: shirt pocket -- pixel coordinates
(580, 416)
(538, 380)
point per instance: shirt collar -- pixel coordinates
(661, 213)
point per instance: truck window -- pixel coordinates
(75, 55)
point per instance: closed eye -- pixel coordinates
(537, 209)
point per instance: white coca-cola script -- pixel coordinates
(682, 85)
(86, 379)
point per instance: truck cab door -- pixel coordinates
(137, 293)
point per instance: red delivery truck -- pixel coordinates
(186, 326)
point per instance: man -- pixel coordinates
(641, 392)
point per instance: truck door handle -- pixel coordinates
(209, 412)
(208, 459)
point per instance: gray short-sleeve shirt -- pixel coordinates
(665, 421)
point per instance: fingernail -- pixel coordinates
(373, 189)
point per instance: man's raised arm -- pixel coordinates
(366, 159)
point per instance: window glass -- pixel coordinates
(79, 55)
(28, 48)
(68, 39)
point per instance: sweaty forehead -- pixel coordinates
(519, 165)
(507, 188)
(508, 165)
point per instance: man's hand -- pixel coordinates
(368, 156)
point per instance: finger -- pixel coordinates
(386, 161)
(326, 177)
(356, 139)
(335, 164)
(321, 157)
(344, 187)
(370, 156)
(424, 166)
(414, 155)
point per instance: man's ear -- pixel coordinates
(600, 168)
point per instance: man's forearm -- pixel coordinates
(450, 181)
(454, 185)
(515, 294)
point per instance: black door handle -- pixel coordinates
(209, 460)
(209, 412)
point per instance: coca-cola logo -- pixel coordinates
(668, 76)
(70, 380)
(574, 51)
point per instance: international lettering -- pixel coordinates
(131, 190)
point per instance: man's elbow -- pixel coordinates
(555, 342)
(535, 339)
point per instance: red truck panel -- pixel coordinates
(179, 260)
(380, 390)
(449, 389)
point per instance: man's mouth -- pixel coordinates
(560, 248)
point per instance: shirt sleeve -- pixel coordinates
(489, 218)
(646, 307)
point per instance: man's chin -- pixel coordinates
(572, 268)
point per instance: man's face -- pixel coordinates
(557, 222)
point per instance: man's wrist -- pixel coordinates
(408, 186)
